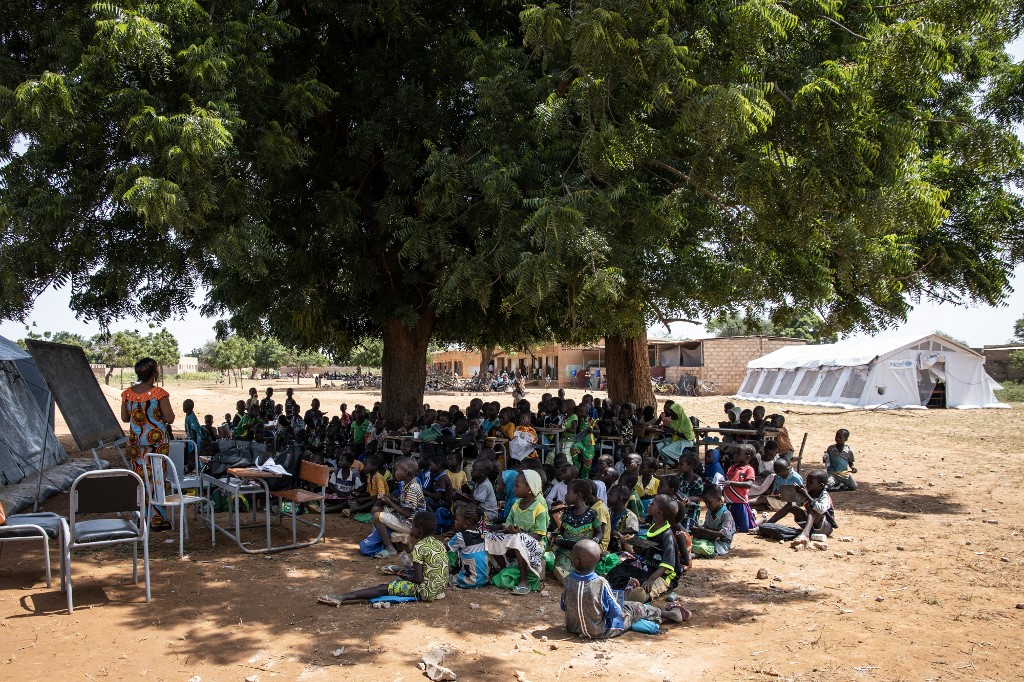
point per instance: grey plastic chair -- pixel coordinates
(114, 491)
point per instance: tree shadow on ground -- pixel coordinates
(226, 608)
(896, 500)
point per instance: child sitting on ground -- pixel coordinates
(604, 517)
(578, 522)
(624, 523)
(457, 477)
(655, 568)
(691, 486)
(556, 495)
(648, 484)
(775, 492)
(468, 543)
(838, 460)
(376, 485)
(399, 517)
(426, 580)
(714, 537)
(816, 514)
(590, 607)
(524, 439)
(483, 489)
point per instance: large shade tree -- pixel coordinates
(771, 158)
(341, 169)
(292, 157)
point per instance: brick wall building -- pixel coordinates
(721, 360)
(998, 363)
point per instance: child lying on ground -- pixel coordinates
(427, 578)
(591, 610)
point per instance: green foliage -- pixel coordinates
(269, 353)
(493, 173)
(1012, 392)
(1017, 358)
(303, 360)
(233, 354)
(798, 325)
(369, 353)
(1018, 330)
(162, 347)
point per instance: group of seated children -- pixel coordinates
(617, 537)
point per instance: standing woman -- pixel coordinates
(147, 408)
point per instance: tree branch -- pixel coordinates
(852, 33)
(686, 178)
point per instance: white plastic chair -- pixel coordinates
(162, 471)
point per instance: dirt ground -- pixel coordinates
(922, 581)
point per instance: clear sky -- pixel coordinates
(976, 325)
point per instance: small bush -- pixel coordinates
(195, 376)
(1012, 392)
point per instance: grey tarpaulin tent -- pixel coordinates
(26, 417)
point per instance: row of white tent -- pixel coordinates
(906, 372)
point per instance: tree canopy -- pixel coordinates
(492, 172)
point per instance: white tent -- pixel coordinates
(872, 373)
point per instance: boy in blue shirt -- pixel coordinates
(591, 609)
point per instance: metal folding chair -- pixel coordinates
(114, 491)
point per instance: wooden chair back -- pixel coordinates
(317, 474)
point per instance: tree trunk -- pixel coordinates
(110, 371)
(486, 353)
(629, 370)
(404, 368)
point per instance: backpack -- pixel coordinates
(290, 458)
(227, 459)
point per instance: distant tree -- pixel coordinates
(162, 347)
(119, 349)
(234, 354)
(734, 324)
(368, 353)
(1018, 330)
(268, 354)
(302, 360)
(69, 339)
(797, 325)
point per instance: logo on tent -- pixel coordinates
(901, 364)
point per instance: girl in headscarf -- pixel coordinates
(522, 536)
(713, 471)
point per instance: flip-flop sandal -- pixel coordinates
(328, 600)
(391, 569)
(385, 554)
(520, 589)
